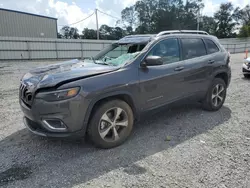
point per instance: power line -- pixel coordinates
(109, 15)
(80, 20)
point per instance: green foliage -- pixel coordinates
(244, 31)
(224, 21)
(208, 24)
(242, 16)
(111, 33)
(70, 32)
(128, 16)
(89, 34)
(59, 35)
(154, 16)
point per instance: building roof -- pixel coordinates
(27, 13)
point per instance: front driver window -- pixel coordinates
(168, 50)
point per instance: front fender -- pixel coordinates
(105, 96)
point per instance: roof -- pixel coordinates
(145, 38)
(27, 13)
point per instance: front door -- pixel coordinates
(162, 84)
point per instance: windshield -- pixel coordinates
(118, 54)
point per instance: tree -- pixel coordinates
(89, 34)
(191, 13)
(111, 33)
(224, 20)
(69, 32)
(117, 33)
(59, 35)
(129, 16)
(242, 16)
(153, 16)
(129, 31)
(106, 32)
(208, 24)
(65, 31)
(74, 33)
(244, 31)
(145, 10)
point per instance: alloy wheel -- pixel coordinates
(112, 124)
(218, 95)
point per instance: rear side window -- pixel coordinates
(211, 46)
(192, 48)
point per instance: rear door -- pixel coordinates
(162, 83)
(197, 65)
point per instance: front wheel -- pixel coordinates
(111, 124)
(246, 75)
(215, 96)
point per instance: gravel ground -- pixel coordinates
(180, 147)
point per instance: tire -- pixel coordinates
(209, 103)
(246, 75)
(103, 123)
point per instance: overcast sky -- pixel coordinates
(68, 11)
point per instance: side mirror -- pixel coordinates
(152, 61)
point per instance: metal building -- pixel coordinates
(21, 24)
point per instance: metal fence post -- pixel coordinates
(56, 49)
(28, 49)
(82, 49)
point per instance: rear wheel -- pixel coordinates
(111, 124)
(216, 95)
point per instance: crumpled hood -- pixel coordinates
(52, 75)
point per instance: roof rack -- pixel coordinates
(182, 31)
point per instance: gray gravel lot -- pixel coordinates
(180, 147)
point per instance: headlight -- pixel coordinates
(58, 95)
(246, 63)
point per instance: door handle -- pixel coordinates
(179, 68)
(210, 61)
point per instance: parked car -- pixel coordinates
(246, 68)
(101, 97)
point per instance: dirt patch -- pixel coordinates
(14, 173)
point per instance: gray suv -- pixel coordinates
(100, 97)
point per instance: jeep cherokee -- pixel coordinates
(102, 96)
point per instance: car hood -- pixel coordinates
(52, 75)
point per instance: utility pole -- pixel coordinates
(198, 20)
(97, 26)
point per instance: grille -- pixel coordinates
(25, 94)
